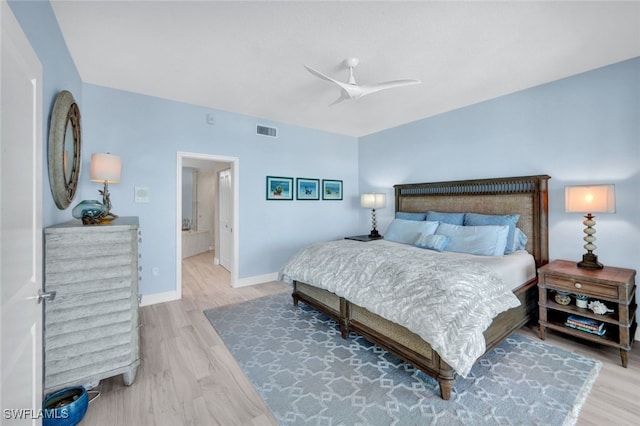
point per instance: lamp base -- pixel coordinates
(590, 261)
(374, 234)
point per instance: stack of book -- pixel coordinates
(585, 324)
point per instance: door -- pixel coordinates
(225, 203)
(206, 196)
(20, 224)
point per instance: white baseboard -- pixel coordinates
(257, 279)
(152, 299)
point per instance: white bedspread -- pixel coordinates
(446, 300)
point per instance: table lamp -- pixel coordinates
(106, 168)
(373, 202)
(590, 199)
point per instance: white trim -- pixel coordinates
(234, 164)
(152, 299)
(257, 279)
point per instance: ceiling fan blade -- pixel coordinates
(368, 89)
(340, 99)
(326, 77)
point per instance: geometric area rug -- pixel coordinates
(308, 375)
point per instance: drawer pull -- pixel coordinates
(578, 285)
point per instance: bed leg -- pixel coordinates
(294, 294)
(345, 314)
(344, 332)
(445, 388)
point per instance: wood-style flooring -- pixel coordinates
(187, 376)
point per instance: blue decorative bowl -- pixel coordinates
(90, 211)
(65, 407)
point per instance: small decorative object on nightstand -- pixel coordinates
(615, 288)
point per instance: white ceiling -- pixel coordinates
(247, 57)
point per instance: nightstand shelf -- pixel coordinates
(363, 238)
(556, 319)
(613, 286)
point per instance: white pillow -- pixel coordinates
(408, 231)
(519, 241)
(488, 240)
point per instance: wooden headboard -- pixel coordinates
(524, 195)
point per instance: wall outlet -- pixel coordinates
(155, 270)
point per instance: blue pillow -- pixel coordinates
(510, 220)
(410, 216)
(487, 240)
(408, 231)
(432, 242)
(451, 218)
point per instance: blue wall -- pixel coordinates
(147, 132)
(584, 129)
(59, 73)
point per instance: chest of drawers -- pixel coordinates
(91, 327)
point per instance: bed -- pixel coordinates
(525, 196)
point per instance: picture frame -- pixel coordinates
(280, 188)
(307, 189)
(331, 189)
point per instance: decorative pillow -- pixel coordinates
(452, 218)
(519, 240)
(488, 240)
(477, 219)
(410, 216)
(432, 242)
(408, 231)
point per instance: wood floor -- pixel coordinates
(187, 376)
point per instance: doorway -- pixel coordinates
(225, 240)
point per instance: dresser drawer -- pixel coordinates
(581, 286)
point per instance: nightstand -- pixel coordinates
(615, 287)
(363, 238)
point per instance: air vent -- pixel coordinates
(266, 131)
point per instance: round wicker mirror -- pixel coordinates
(65, 146)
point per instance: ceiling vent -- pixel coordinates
(266, 131)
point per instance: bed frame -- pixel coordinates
(526, 195)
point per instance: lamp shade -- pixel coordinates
(372, 201)
(105, 168)
(590, 199)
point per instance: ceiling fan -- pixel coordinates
(352, 90)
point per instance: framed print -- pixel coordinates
(307, 189)
(331, 189)
(279, 188)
